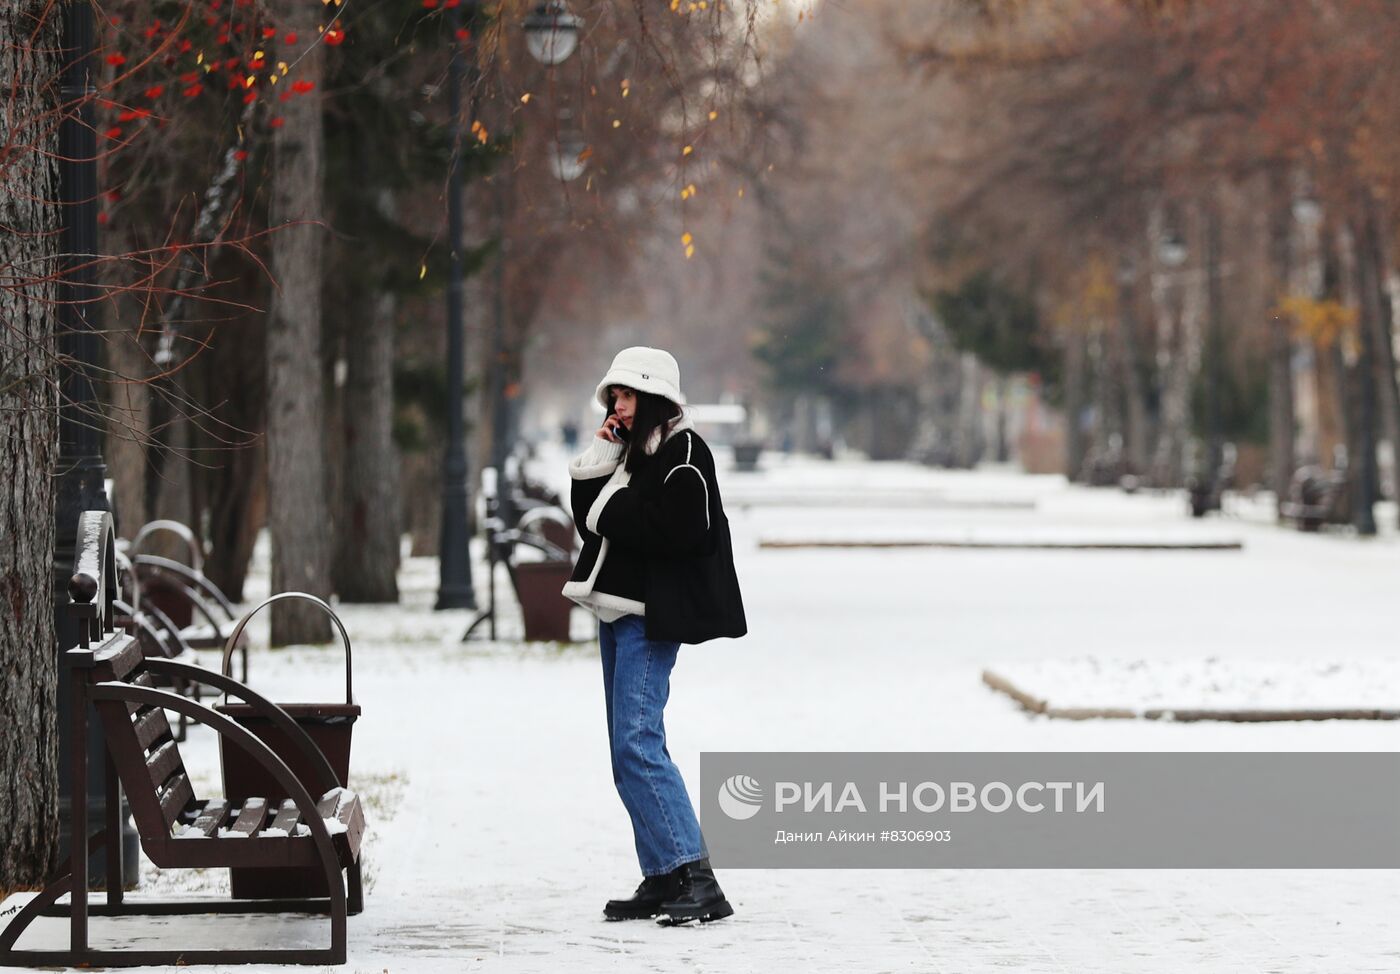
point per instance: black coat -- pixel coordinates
(668, 542)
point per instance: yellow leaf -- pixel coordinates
(714, 115)
(200, 58)
(617, 123)
(689, 252)
(687, 150)
(525, 98)
(422, 271)
(272, 79)
(686, 238)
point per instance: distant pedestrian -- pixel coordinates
(657, 569)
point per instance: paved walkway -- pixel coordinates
(496, 834)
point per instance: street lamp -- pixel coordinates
(1171, 249)
(454, 556)
(551, 32)
(566, 157)
(1307, 211)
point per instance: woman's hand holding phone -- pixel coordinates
(612, 430)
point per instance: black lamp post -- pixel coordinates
(455, 589)
(551, 33)
(81, 471)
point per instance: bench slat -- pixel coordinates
(211, 816)
(250, 817)
(150, 726)
(175, 798)
(164, 762)
(142, 679)
(288, 817)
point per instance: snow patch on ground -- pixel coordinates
(1209, 683)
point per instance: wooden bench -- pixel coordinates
(183, 593)
(1317, 497)
(158, 635)
(321, 827)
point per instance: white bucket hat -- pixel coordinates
(645, 369)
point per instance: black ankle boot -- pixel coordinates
(646, 902)
(698, 896)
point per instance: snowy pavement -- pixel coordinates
(496, 835)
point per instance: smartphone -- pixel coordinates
(619, 431)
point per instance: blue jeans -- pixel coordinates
(636, 683)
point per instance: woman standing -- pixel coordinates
(658, 570)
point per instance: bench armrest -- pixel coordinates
(262, 705)
(193, 579)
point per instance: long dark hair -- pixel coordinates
(652, 413)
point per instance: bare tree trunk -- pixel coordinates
(1213, 345)
(1135, 431)
(1176, 304)
(235, 372)
(1106, 356)
(1282, 457)
(970, 419)
(1003, 395)
(367, 560)
(1075, 362)
(1361, 389)
(28, 434)
(1374, 300)
(126, 460)
(1168, 460)
(298, 512)
(1357, 383)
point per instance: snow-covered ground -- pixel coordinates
(496, 835)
